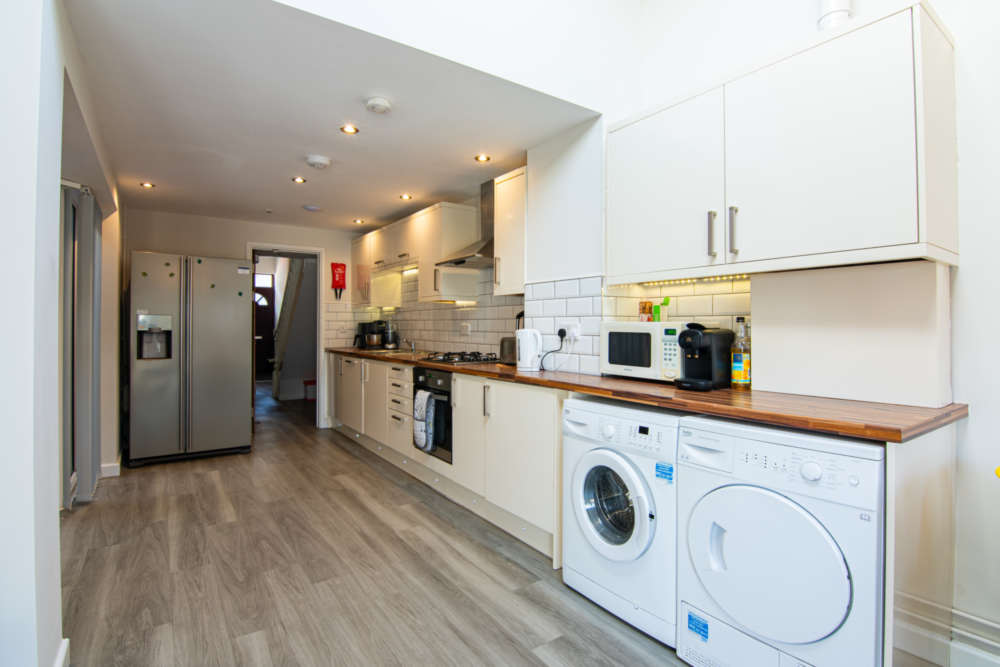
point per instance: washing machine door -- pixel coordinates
(769, 564)
(613, 505)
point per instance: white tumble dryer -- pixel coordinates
(780, 547)
(619, 511)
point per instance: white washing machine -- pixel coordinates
(619, 511)
(780, 538)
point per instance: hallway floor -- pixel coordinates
(312, 551)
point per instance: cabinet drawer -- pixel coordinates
(400, 432)
(401, 388)
(401, 404)
(401, 372)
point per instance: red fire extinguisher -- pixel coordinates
(339, 272)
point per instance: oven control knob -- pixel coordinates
(811, 471)
(609, 431)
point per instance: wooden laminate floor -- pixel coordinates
(312, 551)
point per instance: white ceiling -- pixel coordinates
(219, 102)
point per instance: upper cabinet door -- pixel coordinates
(361, 267)
(379, 248)
(821, 149)
(665, 189)
(510, 211)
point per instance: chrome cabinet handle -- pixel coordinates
(402, 255)
(733, 212)
(396, 418)
(437, 276)
(379, 261)
(711, 234)
(496, 270)
(486, 393)
(396, 401)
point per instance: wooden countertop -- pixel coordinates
(882, 422)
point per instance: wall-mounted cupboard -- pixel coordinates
(843, 153)
(510, 214)
(417, 241)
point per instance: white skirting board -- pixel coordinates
(112, 469)
(62, 655)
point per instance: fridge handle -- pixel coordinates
(188, 328)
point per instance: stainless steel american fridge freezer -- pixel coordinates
(190, 369)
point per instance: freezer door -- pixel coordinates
(155, 414)
(220, 382)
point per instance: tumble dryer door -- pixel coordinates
(769, 564)
(613, 505)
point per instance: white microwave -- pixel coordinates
(645, 350)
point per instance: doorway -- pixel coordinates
(80, 295)
(285, 334)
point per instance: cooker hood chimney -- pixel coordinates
(479, 255)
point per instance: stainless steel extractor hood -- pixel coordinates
(478, 255)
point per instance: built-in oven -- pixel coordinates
(646, 350)
(438, 385)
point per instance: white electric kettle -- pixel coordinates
(529, 349)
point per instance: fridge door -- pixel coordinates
(220, 381)
(155, 340)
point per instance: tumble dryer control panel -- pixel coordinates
(819, 474)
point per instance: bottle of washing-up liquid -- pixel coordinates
(741, 355)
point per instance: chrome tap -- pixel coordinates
(413, 346)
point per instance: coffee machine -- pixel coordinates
(706, 363)
(370, 335)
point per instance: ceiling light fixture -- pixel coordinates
(406, 196)
(147, 185)
(482, 157)
(298, 179)
(312, 208)
(359, 221)
(349, 128)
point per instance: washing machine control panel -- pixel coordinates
(843, 479)
(651, 438)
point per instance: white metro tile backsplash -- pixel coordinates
(438, 326)
(551, 306)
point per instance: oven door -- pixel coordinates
(630, 349)
(440, 445)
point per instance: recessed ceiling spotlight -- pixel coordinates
(312, 208)
(482, 157)
(317, 161)
(359, 221)
(378, 105)
(147, 185)
(349, 128)
(298, 179)
(406, 196)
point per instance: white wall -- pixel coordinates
(110, 341)
(692, 44)
(580, 51)
(220, 237)
(564, 235)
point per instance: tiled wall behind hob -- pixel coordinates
(438, 326)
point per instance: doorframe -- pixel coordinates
(322, 417)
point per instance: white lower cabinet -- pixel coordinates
(376, 413)
(522, 451)
(468, 432)
(400, 433)
(349, 408)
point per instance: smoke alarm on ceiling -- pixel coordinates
(378, 105)
(318, 161)
(312, 208)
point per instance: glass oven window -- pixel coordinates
(630, 348)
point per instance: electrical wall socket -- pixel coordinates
(572, 330)
(466, 328)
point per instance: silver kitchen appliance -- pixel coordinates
(190, 361)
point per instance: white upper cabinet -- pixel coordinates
(843, 153)
(510, 212)
(444, 229)
(361, 263)
(820, 148)
(666, 193)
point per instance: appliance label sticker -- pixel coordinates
(698, 625)
(665, 471)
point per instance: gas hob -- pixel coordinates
(458, 358)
